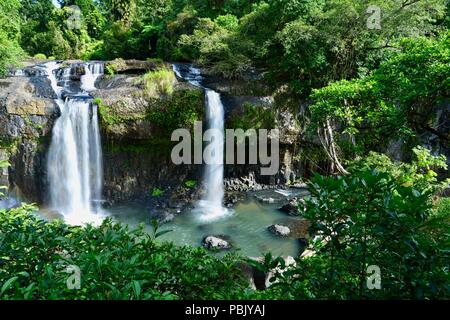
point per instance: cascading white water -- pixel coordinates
(75, 158)
(92, 72)
(210, 207)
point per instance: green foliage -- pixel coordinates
(230, 36)
(443, 209)
(52, 31)
(304, 44)
(158, 82)
(112, 67)
(371, 218)
(420, 173)
(399, 97)
(156, 192)
(107, 116)
(40, 56)
(115, 263)
(215, 44)
(10, 51)
(253, 117)
(190, 183)
(180, 110)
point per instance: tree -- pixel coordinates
(400, 97)
(10, 51)
(382, 216)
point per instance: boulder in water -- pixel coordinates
(280, 230)
(219, 242)
(294, 206)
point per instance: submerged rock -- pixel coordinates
(166, 217)
(294, 206)
(299, 228)
(291, 207)
(232, 198)
(219, 242)
(280, 230)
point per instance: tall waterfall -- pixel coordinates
(75, 172)
(210, 207)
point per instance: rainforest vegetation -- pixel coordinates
(363, 87)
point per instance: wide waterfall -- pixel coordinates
(210, 207)
(75, 173)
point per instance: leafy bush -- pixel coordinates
(400, 97)
(159, 82)
(180, 110)
(114, 262)
(214, 44)
(156, 192)
(373, 217)
(190, 183)
(40, 56)
(420, 173)
(10, 50)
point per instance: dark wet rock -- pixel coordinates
(27, 115)
(279, 230)
(216, 242)
(250, 84)
(304, 243)
(446, 192)
(75, 71)
(232, 198)
(294, 207)
(299, 228)
(289, 128)
(291, 207)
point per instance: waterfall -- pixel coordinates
(92, 72)
(210, 207)
(75, 156)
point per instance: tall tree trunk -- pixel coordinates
(326, 138)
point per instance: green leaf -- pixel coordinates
(160, 233)
(8, 284)
(136, 288)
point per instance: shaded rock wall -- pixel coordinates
(27, 114)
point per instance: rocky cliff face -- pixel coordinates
(136, 143)
(27, 114)
(136, 146)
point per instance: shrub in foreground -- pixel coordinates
(115, 262)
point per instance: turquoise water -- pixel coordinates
(246, 226)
